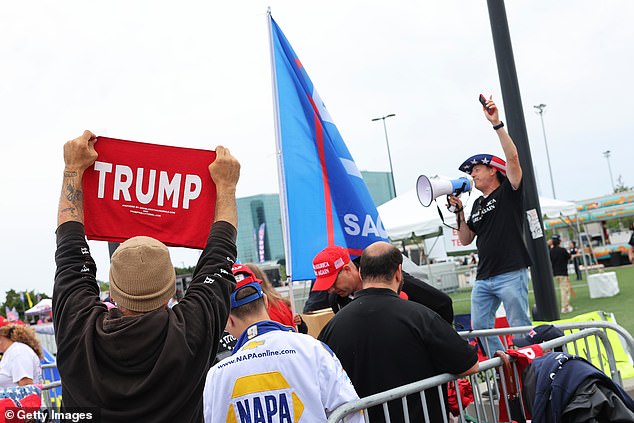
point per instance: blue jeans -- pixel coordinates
(509, 288)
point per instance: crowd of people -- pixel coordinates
(114, 359)
(145, 361)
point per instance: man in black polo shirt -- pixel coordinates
(383, 341)
(497, 219)
(559, 258)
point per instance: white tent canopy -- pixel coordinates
(405, 214)
(43, 307)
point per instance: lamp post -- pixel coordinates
(389, 156)
(606, 154)
(540, 109)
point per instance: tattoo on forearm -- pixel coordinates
(74, 195)
(71, 206)
(71, 210)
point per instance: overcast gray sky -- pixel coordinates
(197, 74)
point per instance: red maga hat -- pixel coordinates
(243, 275)
(327, 264)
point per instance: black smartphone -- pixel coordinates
(483, 101)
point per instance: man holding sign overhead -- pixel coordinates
(141, 361)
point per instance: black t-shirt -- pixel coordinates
(317, 300)
(384, 341)
(559, 260)
(497, 221)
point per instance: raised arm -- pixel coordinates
(76, 291)
(225, 172)
(206, 304)
(513, 168)
(79, 155)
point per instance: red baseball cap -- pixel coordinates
(327, 264)
(243, 275)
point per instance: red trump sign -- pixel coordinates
(148, 189)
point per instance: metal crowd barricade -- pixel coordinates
(593, 352)
(51, 390)
(483, 408)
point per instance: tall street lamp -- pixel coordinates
(540, 109)
(606, 154)
(389, 156)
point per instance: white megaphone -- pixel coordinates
(429, 189)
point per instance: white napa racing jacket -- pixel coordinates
(277, 376)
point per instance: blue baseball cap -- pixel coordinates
(537, 335)
(235, 303)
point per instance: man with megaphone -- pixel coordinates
(497, 219)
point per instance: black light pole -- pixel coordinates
(540, 109)
(543, 286)
(389, 156)
(112, 246)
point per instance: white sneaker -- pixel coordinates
(567, 309)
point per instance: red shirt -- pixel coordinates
(281, 313)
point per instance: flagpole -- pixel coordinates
(280, 167)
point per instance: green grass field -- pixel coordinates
(622, 304)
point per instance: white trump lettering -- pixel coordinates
(169, 188)
(102, 168)
(145, 198)
(193, 184)
(165, 189)
(121, 185)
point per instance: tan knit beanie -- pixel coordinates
(142, 276)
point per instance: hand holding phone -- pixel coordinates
(483, 101)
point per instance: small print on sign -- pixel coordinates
(534, 224)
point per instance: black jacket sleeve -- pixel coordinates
(317, 300)
(425, 294)
(207, 300)
(302, 327)
(76, 291)
(337, 303)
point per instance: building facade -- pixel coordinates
(380, 186)
(259, 229)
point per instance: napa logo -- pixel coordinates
(252, 345)
(264, 397)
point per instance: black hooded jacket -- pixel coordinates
(145, 368)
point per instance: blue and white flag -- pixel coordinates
(324, 198)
